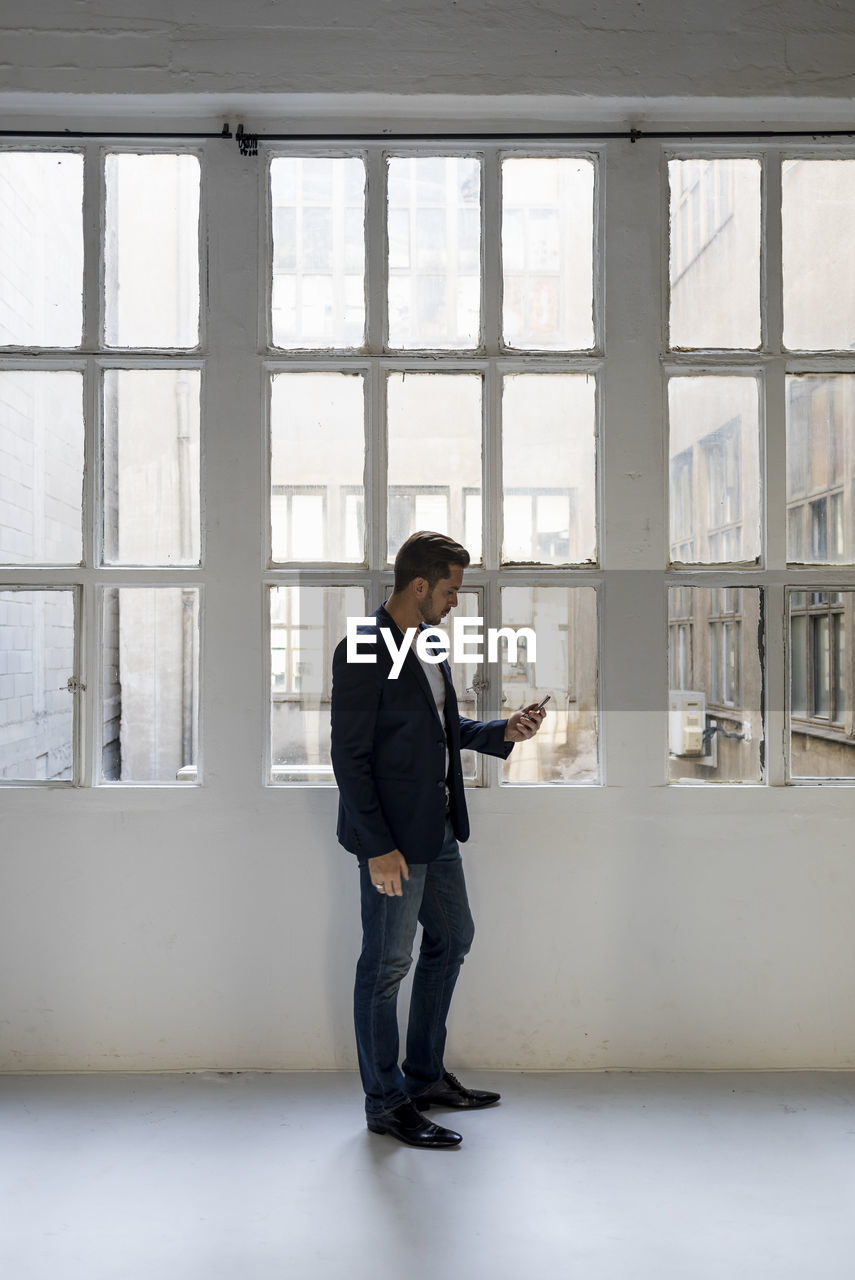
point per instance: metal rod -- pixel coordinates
(107, 134)
(630, 135)
(545, 135)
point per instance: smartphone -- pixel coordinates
(541, 705)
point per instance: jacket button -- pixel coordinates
(440, 784)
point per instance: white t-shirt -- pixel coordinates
(436, 680)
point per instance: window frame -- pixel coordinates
(621, 164)
(771, 364)
(92, 357)
(491, 359)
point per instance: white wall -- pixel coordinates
(616, 928)
(627, 926)
(599, 47)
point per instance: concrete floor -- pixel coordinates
(617, 1176)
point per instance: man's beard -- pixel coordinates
(430, 612)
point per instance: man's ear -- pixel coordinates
(420, 587)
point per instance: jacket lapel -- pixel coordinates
(411, 662)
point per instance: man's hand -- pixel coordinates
(524, 724)
(386, 872)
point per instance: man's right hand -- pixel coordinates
(386, 872)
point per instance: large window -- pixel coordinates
(729, 217)
(100, 444)
(467, 399)
(213, 442)
(716, 497)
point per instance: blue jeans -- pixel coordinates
(435, 897)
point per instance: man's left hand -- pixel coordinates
(524, 724)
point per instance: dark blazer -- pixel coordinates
(388, 753)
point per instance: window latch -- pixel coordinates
(74, 685)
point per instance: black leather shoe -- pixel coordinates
(449, 1092)
(410, 1126)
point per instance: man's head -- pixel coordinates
(429, 566)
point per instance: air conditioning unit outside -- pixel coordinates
(687, 717)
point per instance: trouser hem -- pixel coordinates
(388, 1111)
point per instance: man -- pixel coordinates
(402, 809)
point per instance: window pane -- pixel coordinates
(715, 728)
(820, 468)
(564, 620)
(549, 468)
(317, 442)
(434, 251)
(151, 466)
(306, 624)
(434, 428)
(41, 467)
(548, 253)
(41, 248)
(714, 447)
(318, 251)
(151, 267)
(151, 684)
(715, 253)
(818, 213)
(822, 735)
(36, 706)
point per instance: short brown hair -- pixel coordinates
(428, 555)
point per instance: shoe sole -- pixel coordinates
(453, 1106)
(390, 1133)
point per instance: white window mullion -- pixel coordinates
(233, 428)
(491, 252)
(89, 639)
(376, 468)
(377, 329)
(80, 736)
(774, 430)
(491, 292)
(633, 545)
(93, 247)
(377, 251)
(776, 369)
(599, 250)
(89, 662)
(491, 532)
